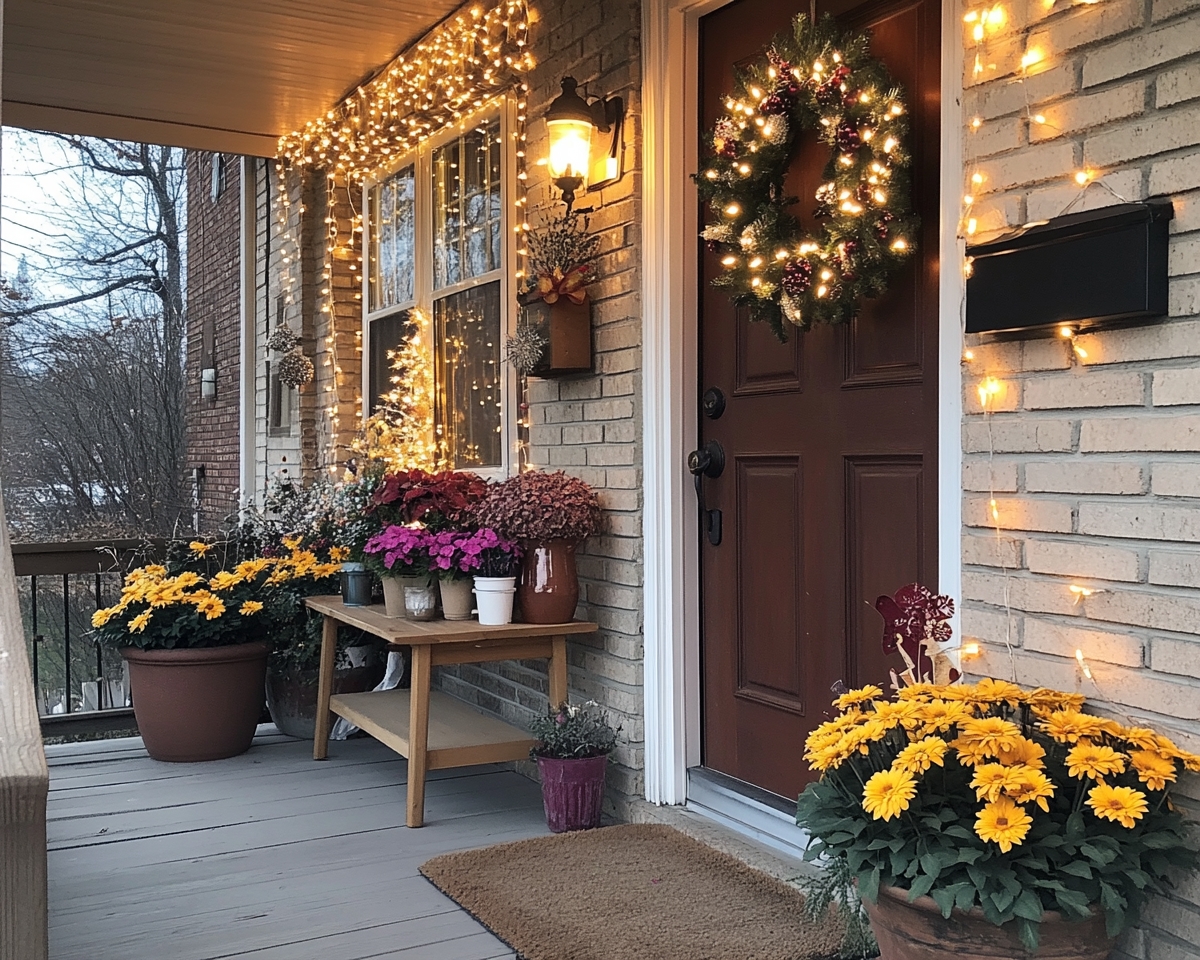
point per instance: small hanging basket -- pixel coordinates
(283, 339)
(295, 369)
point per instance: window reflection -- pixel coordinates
(468, 410)
(466, 206)
(393, 235)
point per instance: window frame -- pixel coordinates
(424, 292)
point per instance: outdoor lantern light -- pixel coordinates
(573, 123)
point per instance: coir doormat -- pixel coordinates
(630, 892)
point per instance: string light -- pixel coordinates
(1083, 664)
(1069, 333)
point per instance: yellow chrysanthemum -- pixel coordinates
(1191, 761)
(1121, 804)
(292, 543)
(1091, 760)
(991, 734)
(1067, 726)
(101, 617)
(339, 554)
(938, 716)
(1033, 786)
(225, 580)
(1003, 822)
(184, 580)
(998, 691)
(993, 779)
(1056, 699)
(888, 794)
(970, 754)
(828, 758)
(916, 691)
(210, 606)
(1141, 737)
(249, 569)
(920, 756)
(1153, 769)
(1025, 751)
(249, 608)
(199, 548)
(138, 623)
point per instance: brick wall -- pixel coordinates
(1093, 460)
(213, 332)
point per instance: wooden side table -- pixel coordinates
(431, 729)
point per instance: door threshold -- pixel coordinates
(746, 809)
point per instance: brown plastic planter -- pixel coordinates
(918, 931)
(200, 704)
(567, 328)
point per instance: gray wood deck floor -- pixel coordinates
(267, 856)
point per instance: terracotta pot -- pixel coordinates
(201, 704)
(292, 696)
(548, 589)
(572, 791)
(918, 931)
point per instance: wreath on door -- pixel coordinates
(824, 79)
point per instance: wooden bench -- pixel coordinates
(434, 730)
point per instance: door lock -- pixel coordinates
(708, 461)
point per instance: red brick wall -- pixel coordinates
(213, 333)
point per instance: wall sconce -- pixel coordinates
(573, 123)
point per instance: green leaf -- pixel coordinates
(931, 864)
(944, 898)
(868, 885)
(1003, 899)
(1029, 906)
(921, 886)
(1077, 868)
(969, 855)
(965, 898)
(1028, 932)
(1073, 902)
(1076, 830)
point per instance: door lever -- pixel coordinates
(708, 461)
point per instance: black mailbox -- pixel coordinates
(1087, 269)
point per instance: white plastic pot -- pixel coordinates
(494, 597)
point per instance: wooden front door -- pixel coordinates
(829, 494)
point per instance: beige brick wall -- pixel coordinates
(1093, 462)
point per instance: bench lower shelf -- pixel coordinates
(458, 735)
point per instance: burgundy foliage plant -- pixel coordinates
(540, 506)
(435, 499)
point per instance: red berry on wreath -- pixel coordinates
(848, 137)
(797, 277)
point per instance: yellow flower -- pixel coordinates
(101, 617)
(323, 570)
(920, 756)
(970, 754)
(249, 607)
(996, 691)
(828, 758)
(1024, 751)
(210, 606)
(185, 580)
(1003, 822)
(993, 779)
(138, 623)
(938, 716)
(991, 734)
(1034, 786)
(1153, 769)
(1191, 761)
(888, 793)
(1068, 726)
(338, 554)
(292, 543)
(1090, 760)
(854, 698)
(249, 569)
(199, 548)
(224, 580)
(916, 691)
(1121, 804)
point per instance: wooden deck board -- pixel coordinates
(269, 856)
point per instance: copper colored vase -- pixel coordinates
(548, 591)
(197, 704)
(918, 931)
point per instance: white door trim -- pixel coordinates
(670, 60)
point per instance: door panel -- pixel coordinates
(829, 498)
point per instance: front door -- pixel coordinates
(829, 494)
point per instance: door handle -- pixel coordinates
(708, 461)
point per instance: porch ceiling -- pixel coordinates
(223, 75)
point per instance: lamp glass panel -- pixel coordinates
(570, 148)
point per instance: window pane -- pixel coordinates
(393, 227)
(466, 206)
(467, 370)
(387, 333)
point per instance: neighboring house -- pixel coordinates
(1063, 515)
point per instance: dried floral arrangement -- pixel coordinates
(540, 506)
(562, 256)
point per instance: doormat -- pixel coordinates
(630, 892)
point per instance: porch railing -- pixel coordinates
(59, 587)
(24, 784)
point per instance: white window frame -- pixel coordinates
(424, 292)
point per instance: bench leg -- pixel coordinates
(325, 688)
(418, 733)
(558, 673)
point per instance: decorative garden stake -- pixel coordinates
(818, 78)
(916, 622)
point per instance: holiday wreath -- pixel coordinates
(824, 79)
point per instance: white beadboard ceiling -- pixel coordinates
(224, 75)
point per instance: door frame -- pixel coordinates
(670, 78)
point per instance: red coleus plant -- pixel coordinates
(915, 622)
(434, 499)
(540, 506)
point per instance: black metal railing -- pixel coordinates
(60, 586)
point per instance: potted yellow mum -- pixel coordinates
(992, 821)
(196, 641)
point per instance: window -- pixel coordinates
(437, 244)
